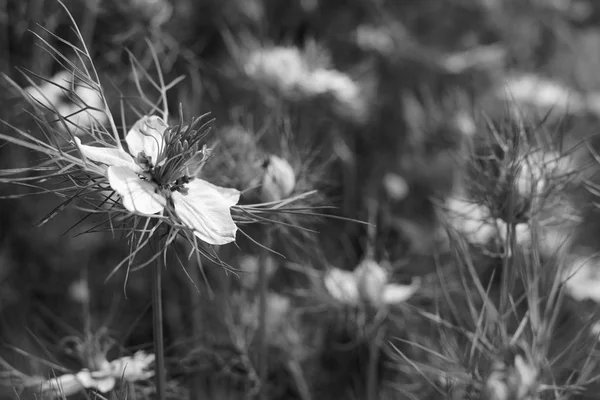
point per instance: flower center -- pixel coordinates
(181, 157)
(164, 187)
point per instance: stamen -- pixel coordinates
(144, 161)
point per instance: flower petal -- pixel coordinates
(146, 136)
(394, 293)
(206, 209)
(96, 380)
(107, 155)
(342, 286)
(137, 195)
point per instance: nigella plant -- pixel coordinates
(148, 181)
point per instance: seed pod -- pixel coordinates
(278, 180)
(371, 280)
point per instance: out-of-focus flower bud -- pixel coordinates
(79, 291)
(371, 280)
(395, 186)
(279, 179)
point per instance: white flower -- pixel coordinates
(86, 109)
(53, 91)
(279, 180)
(154, 175)
(471, 219)
(281, 67)
(542, 93)
(127, 368)
(368, 283)
(582, 278)
(342, 286)
(371, 281)
(395, 186)
(85, 112)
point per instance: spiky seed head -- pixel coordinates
(371, 279)
(278, 181)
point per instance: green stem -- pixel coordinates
(159, 349)
(195, 265)
(373, 364)
(263, 365)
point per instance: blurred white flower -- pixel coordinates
(371, 280)
(249, 266)
(471, 219)
(517, 381)
(368, 283)
(86, 110)
(130, 369)
(537, 168)
(83, 110)
(395, 186)
(282, 67)
(52, 92)
(286, 70)
(522, 232)
(147, 180)
(341, 87)
(342, 286)
(582, 278)
(475, 222)
(278, 309)
(545, 94)
(464, 123)
(278, 181)
(79, 291)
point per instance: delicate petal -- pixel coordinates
(206, 209)
(107, 155)
(137, 195)
(64, 385)
(96, 380)
(133, 368)
(53, 91)
(342, 286)
(394, 293)
(279, 180)
(146, 136)
(371, 278)
(582, 278)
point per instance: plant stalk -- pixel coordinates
(159, 350)
(263, 348)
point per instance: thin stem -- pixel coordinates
(263, 365)
(194, 267)
(373, 366)
(159, 349)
